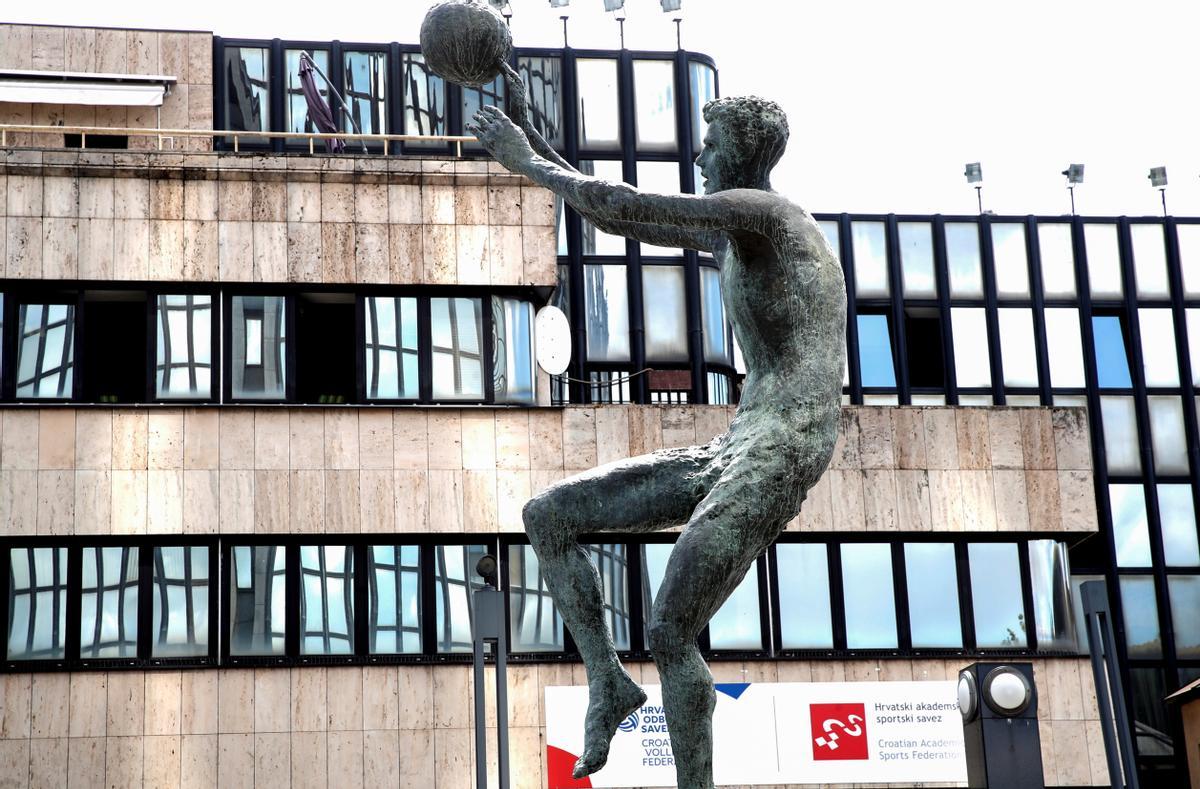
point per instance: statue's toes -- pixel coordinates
(586, 765)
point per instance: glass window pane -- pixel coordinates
(1120, 435)
(365, 82)
(1185, 602)
(962, 259)
(870, 597)
(45, 351)
(1050, 576)
(456, 326)
(654, 103)
(875, 351)
(37, 603)
(1008, 252)
(1178, 516)
(295, 107)
(1017, 346)
(870, 259)
(1112, 365)
(931, 574)
(597, 242)
(805, 611)
(257, 600)
(326, 600)
(1058, 260)
(654, 566)
(1081, 631)
(180, 593)
(996, 595)
(453, 582)
(599, 119)
(704, 89)
(712, 314)
(665, 315)
(612, 564)
(544, 85)
(972, 366)
(1189, 258)
(474, 99)
(1150, 261)
(394, 599)
(1193, 337)
(1168, 435)
(1104, 260)
(512, 356)
(737, 625)
(183, 366)
(1065, 347)
(424, 97)
(606, 302)
(247, 89)
(659, 178)
(534, 621)
(1140, 610)
(259, 347)
(832, 234)
(1131, 533)
(390, 348)
(916, 260)
(108, 622)
(1157, 329)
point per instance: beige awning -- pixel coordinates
(69, 87)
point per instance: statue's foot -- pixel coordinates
(610, 701)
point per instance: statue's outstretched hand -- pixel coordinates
(502, 139)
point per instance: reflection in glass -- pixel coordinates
(832, 235)
(875, 351)
(805, 611)
(1050, 576)
(1150, 261)
(932, 580)
(665, 316)
(597, 242)
(870, 597)
(1058, 260)
(1168, 435)
(543, 84)
(1081, 631)
(1017, 346)
(659, 178)
(183, 366)
(474, 99)
(534, 621)
(870, 259)
(453, 582)
(424, 97)
(1189, 258)
(606, 302)
(704, 89)
(326, 600)
(365, 82)
(1131, 533)
(1012, 268)
(996, 595)
(1065, 347)
(971, 359)
(1177, 514)
(712, 315)
(457, 338)
(1103, 260)
(259, 347)
(718, 389)
(962, 259)
(1185, 602)
(391, 369)
(247, 89)
(1192, 315)
(296, 107)
(1120, 435)
(1157, 330)
(916, 260)
(654, 103)
(1112, 366)
(108, 618)
(612, 565)
(394, 599)
(180, 601)
(257, 600)
(512, 350)
(737, 625)
(599, 119)
(45, 350)
(37, 603)
(1140, 610)
(654, 566)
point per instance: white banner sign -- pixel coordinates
(779, 733)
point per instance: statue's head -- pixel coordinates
(745, 139)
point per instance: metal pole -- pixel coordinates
(480, 712)
(979, 197)
(1163, 192)
(502, 704)
(1100, 677)
(336, 95)
(1110, 695)
(1071, 189)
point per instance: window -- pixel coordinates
(1189, 258)
(1058, 260)
(875, 351)
(1131, 534)
(325, 327)
(326, 600)
(259, 340)
(805, 611)
(1017, 346)
(543, 84)
(183, 347)
(996, 595)
(597, 242)
(1150, 261)
(1050, 574)
(1081, 629)
(45, 351)
(512, 354)
(1012, 267)
(457, 336)
(1178, 516)
(916, 260)
(365, 82)
(424, 97)
(108, 622)
(1065, 347)
(115, 371)
(1159, 360)
(474, 99)
(665, 315)
(832, 235)
(391, 349)
(247, 89)
(704, 89)
(599, 119)
(37, 603)
(606, 302)
(719, 389)
(612, 565)
(971, 358)
(296, 107)
(931, 573)
(1104, 260)
(654, 103)
(737, 625)
(1112, 365)
(962, 259)
(1168, 435)
(870, 259)
(454, 581)
(659, 178)
(923, 333)
(533, 618)
(1193, 334)
(1184, 592)
(712, 314)
(1120, 435)
(394, 599)
(180, 602)
(1140, 610)
(869, 595)
(257, 600)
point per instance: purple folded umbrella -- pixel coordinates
(318, 111)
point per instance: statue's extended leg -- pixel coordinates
(638, 495)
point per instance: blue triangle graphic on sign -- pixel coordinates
(733, 690)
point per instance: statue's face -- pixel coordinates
(714, 159)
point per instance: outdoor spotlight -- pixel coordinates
(671, 5)
(1006, 691)
(614, 5)
(559, 3)
(968, 696)
(486, 569)
(1158, 176)
(974, 173)
(1074, 174)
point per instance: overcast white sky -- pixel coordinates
(887, 100)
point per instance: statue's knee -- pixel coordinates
(542, 523)
(665, 638)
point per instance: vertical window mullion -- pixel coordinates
(853, 357)
(900, 586)
(966, 604)
(987, 261)
(837, 597)
(74, 604)
(293, 590)
(896, 287)
(776, 623)
(1034, 253)
(363, 573)
(941, 269)
(145, 603)
(1031, 641)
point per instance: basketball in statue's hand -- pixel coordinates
(465, 41)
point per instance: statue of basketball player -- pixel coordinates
(784, 293)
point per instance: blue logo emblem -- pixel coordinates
(630, 723)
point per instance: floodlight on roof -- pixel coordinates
(1158, 176)
(671, 5)
(614, 5)
(974, 173)
(559, 3)
(1074, 174)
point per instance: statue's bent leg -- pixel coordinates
(730, 529)
(637, 495)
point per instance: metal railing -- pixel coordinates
(171, 134)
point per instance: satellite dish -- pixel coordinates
(552, 336)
